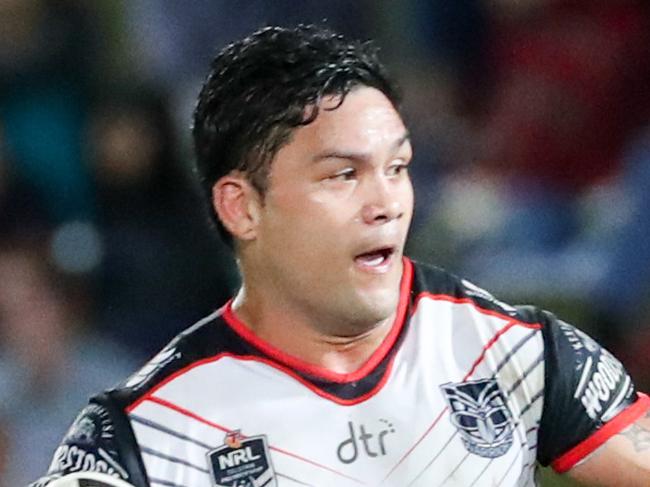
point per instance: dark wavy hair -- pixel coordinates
(261, 88)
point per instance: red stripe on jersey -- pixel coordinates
(479, 359)
(493, 340)
(488, 312)
(190, 414)
(410, 450)
(297, 364)
(472, 303)
(275, 365)
(600, 436)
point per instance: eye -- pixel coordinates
(346, 174)
(397, 169)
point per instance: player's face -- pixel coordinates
(335, 218)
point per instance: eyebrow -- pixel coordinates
(335, 154)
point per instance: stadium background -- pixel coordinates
(530, 121)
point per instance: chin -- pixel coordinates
(380, 304)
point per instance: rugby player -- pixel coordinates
(340, 361)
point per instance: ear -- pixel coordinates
(237, 204)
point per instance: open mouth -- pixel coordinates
(375, 259)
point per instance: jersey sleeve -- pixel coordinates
(588, 396)
(97, 441)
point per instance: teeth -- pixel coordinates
(372, 260)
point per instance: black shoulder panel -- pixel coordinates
(436, 281)
(205, 339)
(585, 387)
(92, 444)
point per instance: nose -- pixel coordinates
(382, 203)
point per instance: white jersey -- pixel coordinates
(464, 391)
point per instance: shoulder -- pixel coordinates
(97, 441)
(206, 338)
(436, 284)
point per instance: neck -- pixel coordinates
(295, 334)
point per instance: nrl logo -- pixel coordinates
(242, 462)
(479, 413)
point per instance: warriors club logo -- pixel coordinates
(479, 413)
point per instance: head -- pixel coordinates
(301, 152)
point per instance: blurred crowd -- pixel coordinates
(530, 121)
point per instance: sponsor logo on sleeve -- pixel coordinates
(71, 458)
(91, 426)
(580, 342)
(87, 446)
(603, 387)
(481, 416)
(242, 462)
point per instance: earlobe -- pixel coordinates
(234, 201)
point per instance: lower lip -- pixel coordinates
(376, 269)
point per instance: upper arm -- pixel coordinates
(589, 399)
(91, 444)
(624, 459)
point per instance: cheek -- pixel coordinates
(409, 195)
(286, 223)
(315, 211)
(317, 229)
(311, 233)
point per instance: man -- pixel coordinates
(340, 362)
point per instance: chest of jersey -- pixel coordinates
(459, 405)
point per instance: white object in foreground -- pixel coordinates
(89, 479)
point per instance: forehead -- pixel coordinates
(364, 121)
